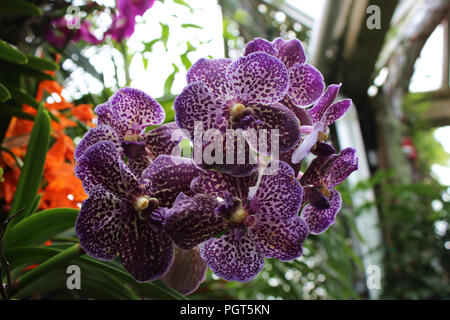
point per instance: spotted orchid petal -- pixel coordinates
(167, 176)
(104, 114)
(101, 165)
(308, 142)
(258, 78)
(290, 52)
(97, 134)
(306, 84)
(335, 111)
(279, 238)
(188, 270)
(301, 113)
(279, 194)
(193, 220)
(218, 184)
(259, 45)
(138, 165)
(196, 103)
(164, 140)
(134, 111)
(100, 222)
(145, 253)
(233, 256)
(229, 154)
(319, 220)
(270, 118)
(212, 72)
(343, 165)
(324, 102)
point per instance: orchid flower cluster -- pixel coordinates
(150, 205)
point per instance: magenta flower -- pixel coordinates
(267, 225)
(322, 175)
(124, 23)
(59, 34)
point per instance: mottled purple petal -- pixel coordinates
(193, 220)
(97, 134)
(317, 170)
(279, 194)
(237, 157)
(306, 84)
(274, 117)
(146, 254)
(134, 111)
(233, 256)
(301, 113)
(335, 111)
(218, 184)
(279, 238)
(163, 140)
(197, 103)
(316, 198)
(104, 113)
(99, 224)
(187, 271)
(101, 165)
(323, 149)
(324, 102)
(258, 78)
(259, 44)
(344, 164)
(290, 52)
(212, 72)
(138, 165)
(167, 176)
(320, 220)
(308, 142)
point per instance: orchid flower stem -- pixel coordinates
(124, 50)
(57, 260)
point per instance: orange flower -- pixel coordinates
(60, 188)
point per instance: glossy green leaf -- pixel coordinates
(19, 256)
(11, 54)
(4, 93)
(191, 25)
(41, 226)
(31, 174)
(40, 64)
(170, 79)
(19, 7)
(22, 96)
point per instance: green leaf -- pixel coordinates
(31, 174)
(19, 7)
(170, 79)
(41, 226)
(149, 45)
(12, 111)
(11, 54)
(191, 25)
(184, 57)
(164, 34)
(19, 256)
(22, 96)
(4, 93)
(40, 64)
(183, 3)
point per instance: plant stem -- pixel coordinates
(124, 51)
(55, 261)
